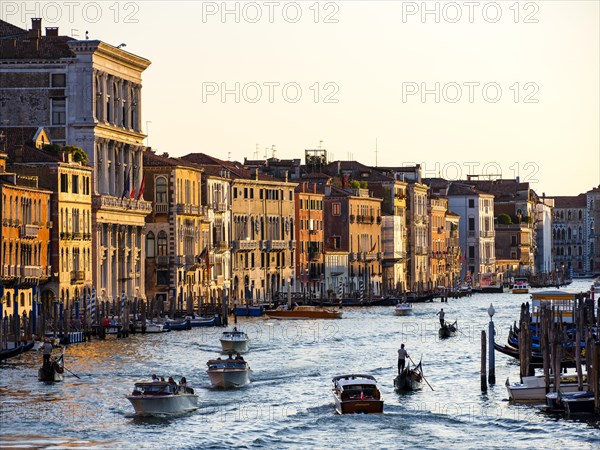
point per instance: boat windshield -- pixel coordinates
(226, 364)
(154, 389)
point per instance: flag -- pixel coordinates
(126, 185)
(362, 395)
(374, 247)
(141, 191)
(202, 254)
(123, 302)
(132, 196)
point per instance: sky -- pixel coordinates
(486, 88)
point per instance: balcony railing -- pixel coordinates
(487, 234)
(353, 256)
(314, 256)
(31, 271)
(182, 208)
(162, 261)
(221, 246)
(29, 231)
(220, 206)
(370, 256)
(292, 245)
(77, 236)
(276, 245)
(245, 245)
(129, 204)
(65, 235)
(161, 208)
(77, 275)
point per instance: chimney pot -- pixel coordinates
(51, 31)
(36, 23)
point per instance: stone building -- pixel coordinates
(310, 259)
(453, 251)
(174, 241)
(71, 215)
(86, 93)
(438, 270)
(24, 242)
(570, 222)
(592, 248)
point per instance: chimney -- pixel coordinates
(36, 28)
(286, 176)
(19, 154)
(51, 31)
(256, 173)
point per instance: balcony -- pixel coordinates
(31, 271)
(370, 256)
(186, 209)
(77, 275)
(65, 235)
(120, 204)
(487, 234)
(220, 206)
(87, 236)
(420, 250)
(162, 261)
(292, 245)
(245, 245)
(29, 231)
(77, 236)
(161, 208)
(314, 256)
(276, 245)
(221, 247)
(352, 218)
(353, 256)
(312, 231)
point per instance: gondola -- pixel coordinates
(536, 360)
(448, 330)
(52, 371)
(11, 353)
(410, 379)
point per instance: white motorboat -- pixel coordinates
(234, 341)
(403, 309)
(521, 286)
(160, 397)
(534, 388)
(228, 373)
(153, 327)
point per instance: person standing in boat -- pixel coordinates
(47, 348)
(402, 355)
(442, 315)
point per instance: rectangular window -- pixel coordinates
(234, 192)
(75, 180)
(59, 111)
(471, 224)
(337, 241)
(59, 80)
(64, 182)
(162, 277)
(336, 209)
(261, 193)
(513, 240)
(471, 251)
(471, 203)
(245, 192)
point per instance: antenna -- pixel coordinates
(320, 145)
(266, 154)
(256, 152)
(375, 152)
(273, 151)
(228, 156)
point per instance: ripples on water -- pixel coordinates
(289, 404)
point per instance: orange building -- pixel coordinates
(438, 206)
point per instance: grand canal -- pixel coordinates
(289, 403)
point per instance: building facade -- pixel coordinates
(570, 222)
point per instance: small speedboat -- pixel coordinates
(53, 370)
(356, 394)
(228, 373)
(534, 388)
(160, 397)
(557, 400)
(234, 341)
(304, 312)
(403, 309)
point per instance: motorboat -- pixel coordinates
(403, 309)
(53, 370)
(582, 403)
(228, 373)
(249, 311)
(153, 327)
(448, 330)
(534, 388)
(356, 393)
(556, 400)
(520, 286)
(410, 379)
(161, 397)
(303, 312)
(234, 341)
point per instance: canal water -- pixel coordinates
(289, 403)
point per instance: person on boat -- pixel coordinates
(402, 355)
(442, 315)
(154, 377)
(229, 355)
(172, 381)
(182, 384)
(239, 357)
(235, 329)
(47, 348)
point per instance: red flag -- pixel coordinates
(132, 194)
(141, 191)
(374, 246)
(362, 395)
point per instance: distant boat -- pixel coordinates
(228, 373)
(303, 312)
(177, 325)
(249, 311)
(403, 309)
(52, 371)
(520, 286)
(234, 341)
(198, 321)
(160, 397)
(414, 297)
(448, 330)
(356, 393)
(410, 379)
(11, 353)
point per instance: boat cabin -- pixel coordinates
(226, 364)
(154, 388)
(356, 387)
(562, 301)
(234, 336)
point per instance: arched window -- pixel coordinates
(580, 214)
(22, 302)
(161, 190)
(569, 233)
(162, 244)
(150, 245)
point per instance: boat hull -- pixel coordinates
(229, 378)
(403, 311)
(229, 345)
(303, 315)
(6, 354)
(358, 406)
(520, 291)
(50, 375)
(249, 311)
(520, 393)
(168, 404)
(407, 383)
(582, 405)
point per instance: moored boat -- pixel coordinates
(448, 330)
(177, 325)
(249, 311)
(160, 397)
(198, 321)
(228, 373)
(303, 312)
(579, 404)
(534, 388)
(554, 400)
(11, 353)
(234, 341)
(410, 379)
(53, 370)
(356, 393)
(403, 309)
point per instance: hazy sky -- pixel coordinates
(469, 87)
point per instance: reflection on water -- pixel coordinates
(289, 402)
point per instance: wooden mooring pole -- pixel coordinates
(483, 345)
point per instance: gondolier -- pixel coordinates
(402, 355)
(47, 348)
(442, 315)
